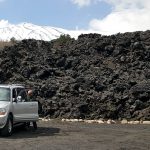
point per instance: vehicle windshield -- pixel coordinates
(4, 94)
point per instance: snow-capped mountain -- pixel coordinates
(31, 31)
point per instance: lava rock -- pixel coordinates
(92, 77)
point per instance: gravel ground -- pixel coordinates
(56, 135)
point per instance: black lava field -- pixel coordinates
(92, 77)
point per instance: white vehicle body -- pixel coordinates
(14, 103)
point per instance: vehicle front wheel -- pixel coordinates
(7, 130)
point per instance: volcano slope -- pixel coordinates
(92, 77)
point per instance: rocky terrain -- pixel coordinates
(92, 77)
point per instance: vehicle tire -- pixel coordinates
(35, 125)
(7, 130)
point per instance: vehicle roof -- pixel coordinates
(11, 85)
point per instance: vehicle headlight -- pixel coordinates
(2, 111)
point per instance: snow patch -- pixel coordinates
(30, 31)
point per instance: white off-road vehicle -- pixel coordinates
(16, 108)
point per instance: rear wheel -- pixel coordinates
(7, 130)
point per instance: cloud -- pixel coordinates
(126, 16)
(82, 3)
(128, 4)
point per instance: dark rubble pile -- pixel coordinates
(92, 77)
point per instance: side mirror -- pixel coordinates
(19, 98)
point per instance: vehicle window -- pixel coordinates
(21, 92)
(4, 94)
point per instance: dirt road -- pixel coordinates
(56, 135)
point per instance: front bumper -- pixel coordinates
(3, 120)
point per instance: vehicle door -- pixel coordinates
(24, 110)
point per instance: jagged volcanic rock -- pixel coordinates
(92, 77)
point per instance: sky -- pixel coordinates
(103, 16)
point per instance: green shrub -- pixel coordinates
(64, 38)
